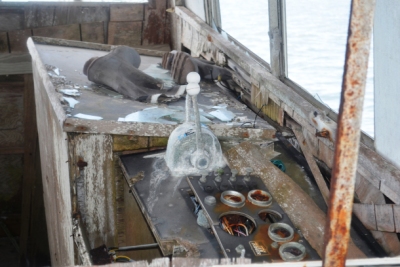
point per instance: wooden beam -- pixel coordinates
(54, 164)
(155, 51)
(18, 40)
(4, 43)
(125, 33)
(93, 32)
(69, 32)
(369, 194)
(313, 165)
(160, 130)
(11, 18)
(385, 217)
(126, 12)
(15, 64)
(11, 150)
(29, 175)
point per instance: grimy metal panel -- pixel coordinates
(337, 231)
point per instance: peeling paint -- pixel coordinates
(96, 150)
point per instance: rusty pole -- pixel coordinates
(348, 133)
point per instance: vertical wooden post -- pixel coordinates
(29, 172)
(277, 37)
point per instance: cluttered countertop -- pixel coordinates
(91, 107)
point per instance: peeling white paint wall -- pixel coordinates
(96, 150)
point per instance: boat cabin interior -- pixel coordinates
(141, 132)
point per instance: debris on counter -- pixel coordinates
(103, 90)
(70, 92)
(223, 115)
(71, 101)
(171, 115)
(278, 163)
(88, 117)
(119, 70)
(157, 72)
(181, 64)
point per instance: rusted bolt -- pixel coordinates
(81, 164)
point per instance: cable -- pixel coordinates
(126, 259)
(245, 228)
(245, 123)
(137, 247)
(254, 123)
(237, 231)
(220, 83)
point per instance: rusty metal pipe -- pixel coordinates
(337, 231)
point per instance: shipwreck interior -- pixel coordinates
(235, 167)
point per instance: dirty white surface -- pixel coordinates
(65, 68)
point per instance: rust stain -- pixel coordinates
(154, 30)
(81, 164)
(81, 128)
(259, 195)
(245, 135)
(209, 38)
(325, 133)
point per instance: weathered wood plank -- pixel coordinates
(11, 178)
(15, 64)
(151, 4)
(54, 165)
(366, 214)
(71, 43)
(12, 137)
(69, 32)
(160, 130)
(11, 150)
(125, 33)
(381, 172)
(18, 40)
(303, 212)
(369, 194)
(93, 32)
(64, 15)
(30, 172)
(126, 12)
(325, 153)
(11, 117)
(38, 16)
(176, 28)
(169, 17)
(11, 19)
(155, 51)
(396, 215)
(96, 202)
(154, 25)
(313, 165)
(366, 192)
(384, 218)
(3, 42)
